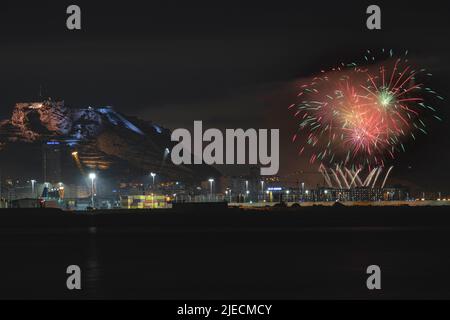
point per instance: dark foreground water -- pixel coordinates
(284, 254)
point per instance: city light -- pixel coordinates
(92, 176)
(33, 182)
(228, 192)
(153, 175)
(211, 180)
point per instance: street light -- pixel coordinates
(287, 195)
(32, 187)
(303, 190)
(262, 188)
(153, 176)
(92, 176)
(211, 186)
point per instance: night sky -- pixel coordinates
(227, 63)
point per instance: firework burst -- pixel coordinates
(362, 114)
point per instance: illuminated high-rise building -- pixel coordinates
(51, 161)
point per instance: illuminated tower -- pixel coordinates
(51, 161)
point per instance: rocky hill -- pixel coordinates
(98, 139)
